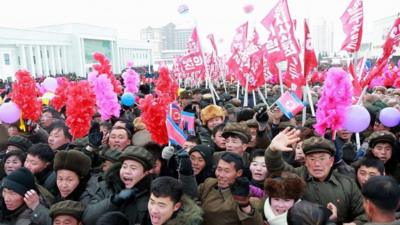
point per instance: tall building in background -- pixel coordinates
(322, 35)
(167, 41)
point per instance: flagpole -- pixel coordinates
(262, 97)
(237, 89)
(254, 99)
(246, 95)
(310, 101)
(280, 82)
(304, 115)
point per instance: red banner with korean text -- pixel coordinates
(310, 60)
(240, 38)
(294, 78)
(281, 43)
(352, 21)
(192, 62)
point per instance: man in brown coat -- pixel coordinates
(225, 199)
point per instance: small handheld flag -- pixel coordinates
(290, 104)
(175, 134)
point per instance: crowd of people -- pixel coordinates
(245, 165)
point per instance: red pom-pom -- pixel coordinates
(105, 68)
(80, 108)
(61, 95)
(25, 95)
(153, 114)
(166, 85)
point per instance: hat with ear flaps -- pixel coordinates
(73, 160)
(210, 112)
(287, 186)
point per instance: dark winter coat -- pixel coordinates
(100, 203)
(188, 214)
(338, 189)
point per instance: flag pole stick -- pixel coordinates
(246, 96)
(281, 82)
(310, 101)
(262, 97)
(254, 99)
(304, 115)
(237, 89)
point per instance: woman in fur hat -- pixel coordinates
(283, 192)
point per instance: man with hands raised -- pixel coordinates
(324, 185)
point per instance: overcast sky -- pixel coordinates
(220, 17)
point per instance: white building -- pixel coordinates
(322, 35)
(66, 48)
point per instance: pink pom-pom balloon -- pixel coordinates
(389, 116)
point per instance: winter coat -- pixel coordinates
(338, 189)
(204, 136)
(396, 222)
(41, 214)
(100, 203)
(221, 209)
(188, 214)
(21, 216)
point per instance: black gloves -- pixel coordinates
(185, 164)
(126, 195)
(241, 187)
(262, 114)
(95, 135)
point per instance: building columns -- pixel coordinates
(57, 59)
(52, 64)
(64, 59)
(38, 58)
(31, 61)
(22, 57)
(45, 58)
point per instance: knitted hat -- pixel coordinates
(138, 154)
(238, 129)
(20, 181)
(210, 112)
(287, 186)
(20, 142)
(205, 151)
(318, 144)
(73, 160)
(68, 207)
(381, 137)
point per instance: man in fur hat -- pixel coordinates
(324, 185)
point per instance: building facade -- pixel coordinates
(67, 48)
(167, 42)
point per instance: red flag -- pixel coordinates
(356, 84)
(192, 62)
(255, 71)
(352, 20)
(310, 60)
(240, 38)
(212, 40)
(294, 78)
(392, 40)
(281, 42)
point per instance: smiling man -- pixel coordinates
(168, 204)
(324, 185)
